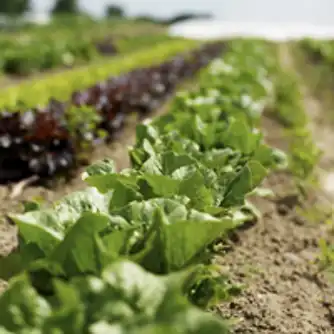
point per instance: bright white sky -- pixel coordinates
(310, 11)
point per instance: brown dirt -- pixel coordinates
(277, 258)
(276, 261)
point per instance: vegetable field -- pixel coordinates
(205, 220)
(58, 46)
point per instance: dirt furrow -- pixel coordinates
(277, 258)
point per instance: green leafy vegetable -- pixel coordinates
(192, 170)
(125, 299)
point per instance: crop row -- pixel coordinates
(131, 253)
(317, 63)
(319, 51)
(37, 92)
(315, 60)
(48, 140)
(24, 57)
(59, 45)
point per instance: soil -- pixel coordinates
(277, 257)
(276, 260)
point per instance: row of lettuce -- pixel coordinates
(53, 139)
(31, 52)
(319, 50)
(133, 253)
(60, 86)
(316, 61)
(26, 57)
